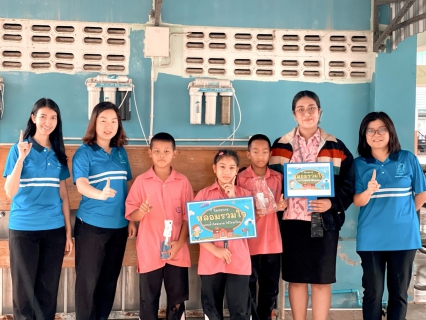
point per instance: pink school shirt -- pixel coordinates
(208, 263)
(268, 230)
(168, 200)
(302, 152)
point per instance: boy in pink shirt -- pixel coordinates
(265, 250)
(158, 200)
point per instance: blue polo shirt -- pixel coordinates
(93, 163)
(37, 205)
(389, 220)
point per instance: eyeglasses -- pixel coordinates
(308, 110)
(381, 131)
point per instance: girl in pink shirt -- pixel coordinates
(225, 268)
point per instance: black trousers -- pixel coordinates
(177, 290)
(399, 267)
(99, 255)
(35, 264)
(265, 270)
(213, 289)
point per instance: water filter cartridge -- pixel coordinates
(94, 98)
(124, 102)
(210, 117)
(110, 94)
(226, 99)
(195, 105)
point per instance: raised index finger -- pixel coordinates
(21, 136)
(147, 199)
(373, 177)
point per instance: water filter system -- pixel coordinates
(210, 88)
(111, 88)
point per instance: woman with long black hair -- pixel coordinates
(39, 223)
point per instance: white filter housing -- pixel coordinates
(195, 105)
(210, 117)
(94, 97)
(110, 94)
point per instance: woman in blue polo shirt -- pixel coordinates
(101, 170)
(390, 188)
(39, 223)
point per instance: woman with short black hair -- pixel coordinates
(101, 170)
(390, 188)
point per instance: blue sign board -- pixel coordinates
(224, 219)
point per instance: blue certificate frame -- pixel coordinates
(220, 220)
(308, 180)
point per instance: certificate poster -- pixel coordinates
(308, 180)
(224, 219)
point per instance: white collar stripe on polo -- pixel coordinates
(55, 185)
(108, 172)
(39, 179)
(106, 178)
(394, 189)
(392, 195)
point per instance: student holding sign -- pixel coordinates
(39, 224)
(390, 188)
(312, 260)
(158, 200)
(225, 267)
(101, 170)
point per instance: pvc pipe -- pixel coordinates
(111, 78)
(66, 290)
(123, 289)
(151, 123)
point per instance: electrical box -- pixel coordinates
(157, 42)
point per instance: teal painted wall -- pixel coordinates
(398, 70)
(132, 11)
(284, 14)
(266, 106)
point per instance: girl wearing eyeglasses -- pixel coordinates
(390, 188)
(312, 260)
